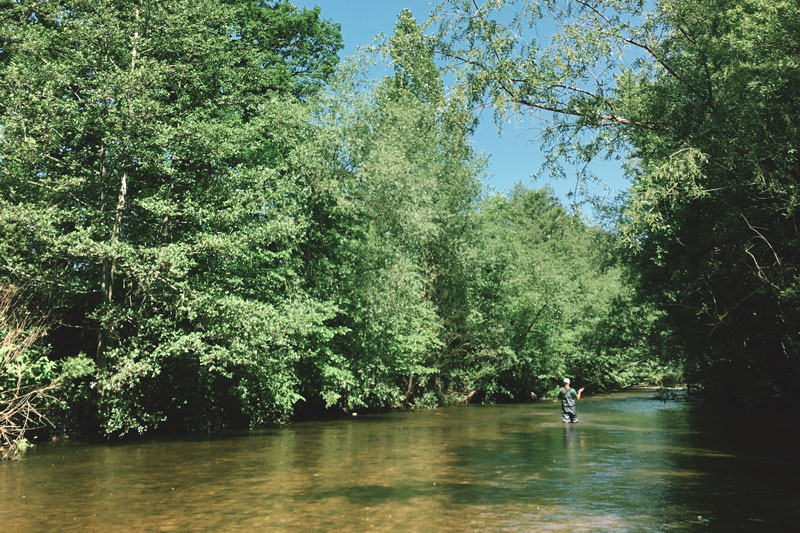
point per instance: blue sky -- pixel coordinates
(513, 155)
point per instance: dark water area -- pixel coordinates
(631, 464)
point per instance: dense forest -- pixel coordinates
(207, 221)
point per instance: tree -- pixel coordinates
(148, 198)
(443, 297)
(409, 191)
(541, 292)
(703, 98)
(716, 195)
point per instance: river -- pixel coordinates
(631, 464)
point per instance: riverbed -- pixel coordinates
(633, 463)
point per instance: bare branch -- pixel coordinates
(774, 253)
(19, 405)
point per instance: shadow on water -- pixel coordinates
(632, 464)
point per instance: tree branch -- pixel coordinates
(642, 46)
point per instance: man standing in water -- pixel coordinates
(568, 397)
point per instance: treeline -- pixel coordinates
(216, 242)
(222, 228)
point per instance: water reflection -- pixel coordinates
(632, 464)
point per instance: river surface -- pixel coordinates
(631, 464)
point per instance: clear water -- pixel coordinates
(632, 464)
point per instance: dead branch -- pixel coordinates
(20, 403)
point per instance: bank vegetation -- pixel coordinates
(225, 227)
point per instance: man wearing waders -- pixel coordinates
(568, 397)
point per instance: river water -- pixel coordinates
(631, 464)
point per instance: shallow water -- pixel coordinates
(632, 464)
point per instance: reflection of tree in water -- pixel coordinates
(743, 472)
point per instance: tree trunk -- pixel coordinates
(109, 265)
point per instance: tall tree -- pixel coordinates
(148, 197)
(411, 192)
(716, 195)
(703, 97)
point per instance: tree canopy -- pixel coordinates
(220, 226)
(702, 97)
(150, 200)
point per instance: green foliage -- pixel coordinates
(543, 292)
(149, 201)
(702, 98)
(410, 189)
(219, 242)
(720, 171)
(26, 377)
